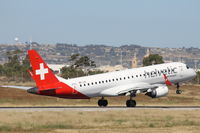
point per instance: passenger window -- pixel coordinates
(187, 67)
(88, 84)
(124, 77)
(113, 79)
(132, 76)
(128, 77)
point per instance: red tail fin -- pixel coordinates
(167, 82)
(41, 72)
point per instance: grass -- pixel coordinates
(138, 121)
(100, 121)
(16, 97)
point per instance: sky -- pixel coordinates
(151, 23)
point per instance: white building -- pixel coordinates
(56, 67)
(111, 68)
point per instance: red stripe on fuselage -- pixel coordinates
(61, 90)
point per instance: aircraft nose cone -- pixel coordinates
(193, 73)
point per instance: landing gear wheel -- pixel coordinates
(130, 103)
(179, 91)
(102, 103)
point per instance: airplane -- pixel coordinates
(151, 80)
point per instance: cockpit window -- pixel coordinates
(187, 67)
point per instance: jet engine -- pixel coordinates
(158, 92)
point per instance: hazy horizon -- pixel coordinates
(28, 43)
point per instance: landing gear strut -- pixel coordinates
(178, 91)
(102, 102)
(130, 102)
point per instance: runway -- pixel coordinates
(93, 108)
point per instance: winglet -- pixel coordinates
(167, 82)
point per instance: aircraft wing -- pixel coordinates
(133, 87)
(17, 87)
(139, 87)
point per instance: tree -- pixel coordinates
(74, 57)
(84, 61)
(71, 72)
(12, 68)
(95, 72)
(1, 70)
(197, 78)
(152, 59)
(80, 62)
(15, 69)
(76, 69)
(26, 66)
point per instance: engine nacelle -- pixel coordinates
(158, 92)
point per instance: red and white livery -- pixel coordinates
(151, 80)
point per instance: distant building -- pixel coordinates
(148, 52)
(197, 70)
(56, 67)
(135, 62)
(168, 61)
(111, 68)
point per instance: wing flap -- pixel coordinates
(133, 88)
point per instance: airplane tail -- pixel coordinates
(41, 73)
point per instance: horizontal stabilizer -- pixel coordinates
(17, 87)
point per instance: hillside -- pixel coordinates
(103, 54)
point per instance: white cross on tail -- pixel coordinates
(42, 71)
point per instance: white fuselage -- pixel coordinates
(93, 85)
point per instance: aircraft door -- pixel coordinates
(181, 71)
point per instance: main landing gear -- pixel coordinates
(130, 102)
(102, 102)
(178, 91)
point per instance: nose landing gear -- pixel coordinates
(178, 91)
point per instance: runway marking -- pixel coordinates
(92, 108)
